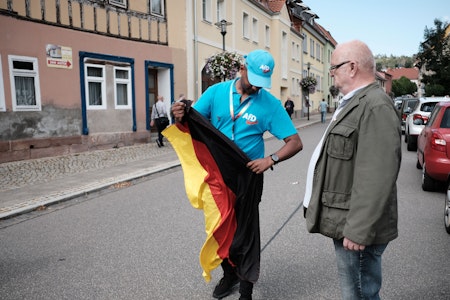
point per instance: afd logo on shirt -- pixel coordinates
(251, 119)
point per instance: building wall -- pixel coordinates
(97, 32)
(61, 125)
(290, 63)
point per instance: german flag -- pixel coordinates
(218, 182)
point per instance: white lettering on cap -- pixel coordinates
(264, 68)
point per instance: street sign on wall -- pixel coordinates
(59, 56)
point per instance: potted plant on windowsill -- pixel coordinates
(224, 65)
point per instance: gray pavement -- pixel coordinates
(32, 184)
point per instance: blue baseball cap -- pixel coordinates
(260, 66)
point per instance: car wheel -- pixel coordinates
(427, 182)
(447, 210)
(410, 145)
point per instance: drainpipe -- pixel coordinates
(195, 52)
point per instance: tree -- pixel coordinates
(434, 59)
(403, 86)
(385, 62)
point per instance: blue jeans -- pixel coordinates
(359, 271)
(323, 114)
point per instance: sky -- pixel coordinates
(387, 26)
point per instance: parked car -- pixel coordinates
(447, 209)
(405, 108)
(433, 147)
(417, 118)
(398, 103)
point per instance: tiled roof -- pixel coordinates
(276, 5)
(410, 73)
(326, 33)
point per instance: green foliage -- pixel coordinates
(385, 62)
(308, 82)
(403, 86)
(434, 59)
(434, 90)
(224, 65)
(334, 91)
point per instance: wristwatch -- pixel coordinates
(275, 158)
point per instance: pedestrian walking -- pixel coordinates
(351, 192)
(289, 106)
(159, 118)
(243, 111)
(323, 107)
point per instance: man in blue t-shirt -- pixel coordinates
(243, 110)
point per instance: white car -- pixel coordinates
(418, 118)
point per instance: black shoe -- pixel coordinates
(246, 290)
(159, 143)
(225, 286)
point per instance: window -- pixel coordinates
(120, 3)
(292, 86)
(206, 7)
(284, 49)
(255, 31)
(293, 51)
(122, 87)
(2, 88)
(245, 31)
(267, 36)
(25, 88)
(305, 44)
(311, 45)
(157, 7)
(221, 10)
(318, 51)
(95, 86)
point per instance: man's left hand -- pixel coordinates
(260, 165)
(352, 246)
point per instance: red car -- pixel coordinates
(433, 148)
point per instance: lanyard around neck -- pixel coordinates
(234, 117)
(241, 112)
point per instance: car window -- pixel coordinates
(445, 123)
(428, 106)
(433, 115)
(411, 104)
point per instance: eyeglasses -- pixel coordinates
(335, 67)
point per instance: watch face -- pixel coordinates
(274, 158)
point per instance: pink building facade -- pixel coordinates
(80, 76)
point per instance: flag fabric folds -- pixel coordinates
(218, 182)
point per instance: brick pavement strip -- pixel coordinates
(22, 173)
(23, 193)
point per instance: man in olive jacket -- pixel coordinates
(351, 192)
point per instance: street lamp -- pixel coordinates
(222, 25)
(308, 65)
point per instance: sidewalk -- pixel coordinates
(30, 184)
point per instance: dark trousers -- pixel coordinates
(245, 287)
(160, 136)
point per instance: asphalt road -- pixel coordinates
(142, 242)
